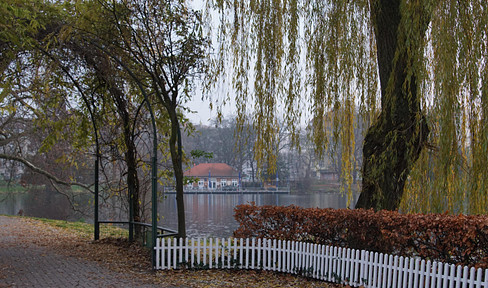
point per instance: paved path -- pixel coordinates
(24, 262)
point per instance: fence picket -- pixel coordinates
(445, 275)
(168, 254)
(325, 264)
(327, 269)
(471, 277)
(270, 254)
(355, 275)
(458, 276)
(192, 253)
(362, 269)
(216, 253)
(465, 280)
(429, 274)
(260, 254)
(175, 253)
(422, 274)
(403, 273)
(388, 270)
(273, 250)
(253, 250)
(415, 272)
(247, 253)
(478, 277)
(332, 262)
(436, 272)
(374, 278)
(452, 273)
(210, 253)
(299, 257)
(281, 245)
(196, 251)
(342, 262)
(392, 282)
(485, 283)
(382, 270)
(440, 274)
(315, 261)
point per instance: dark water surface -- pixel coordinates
(213, 215)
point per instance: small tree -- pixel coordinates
(162, 41)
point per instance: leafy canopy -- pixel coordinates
(321, 56)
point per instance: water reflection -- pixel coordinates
(213, 215)
(206, 215)
(44, 203)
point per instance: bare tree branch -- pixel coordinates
(44, 172)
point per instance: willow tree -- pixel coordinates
(414, 70)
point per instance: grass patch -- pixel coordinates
(86, 230)
(12, 188)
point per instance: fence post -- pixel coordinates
(288, 256)
(158, 249)
(273, 257)
(186, 259)
(163, 253)
(210, 252)
(241, 253)
(175, 252)
(247, 253)
(253, 256)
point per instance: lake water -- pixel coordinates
(206, 214)
(213, 215)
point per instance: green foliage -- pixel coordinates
(196, 153)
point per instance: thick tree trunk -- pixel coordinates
(394, 142)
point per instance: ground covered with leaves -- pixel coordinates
(75, 239)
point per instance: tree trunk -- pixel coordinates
(104, 72)
(175, 147)
(132, 180)
(130, 157)
(394, 142)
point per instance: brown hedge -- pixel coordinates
(457, 239)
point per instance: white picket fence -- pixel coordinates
(332, 264)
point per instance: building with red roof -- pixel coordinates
(213, 176)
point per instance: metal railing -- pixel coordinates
(147, 232)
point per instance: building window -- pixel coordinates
(234, 182)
